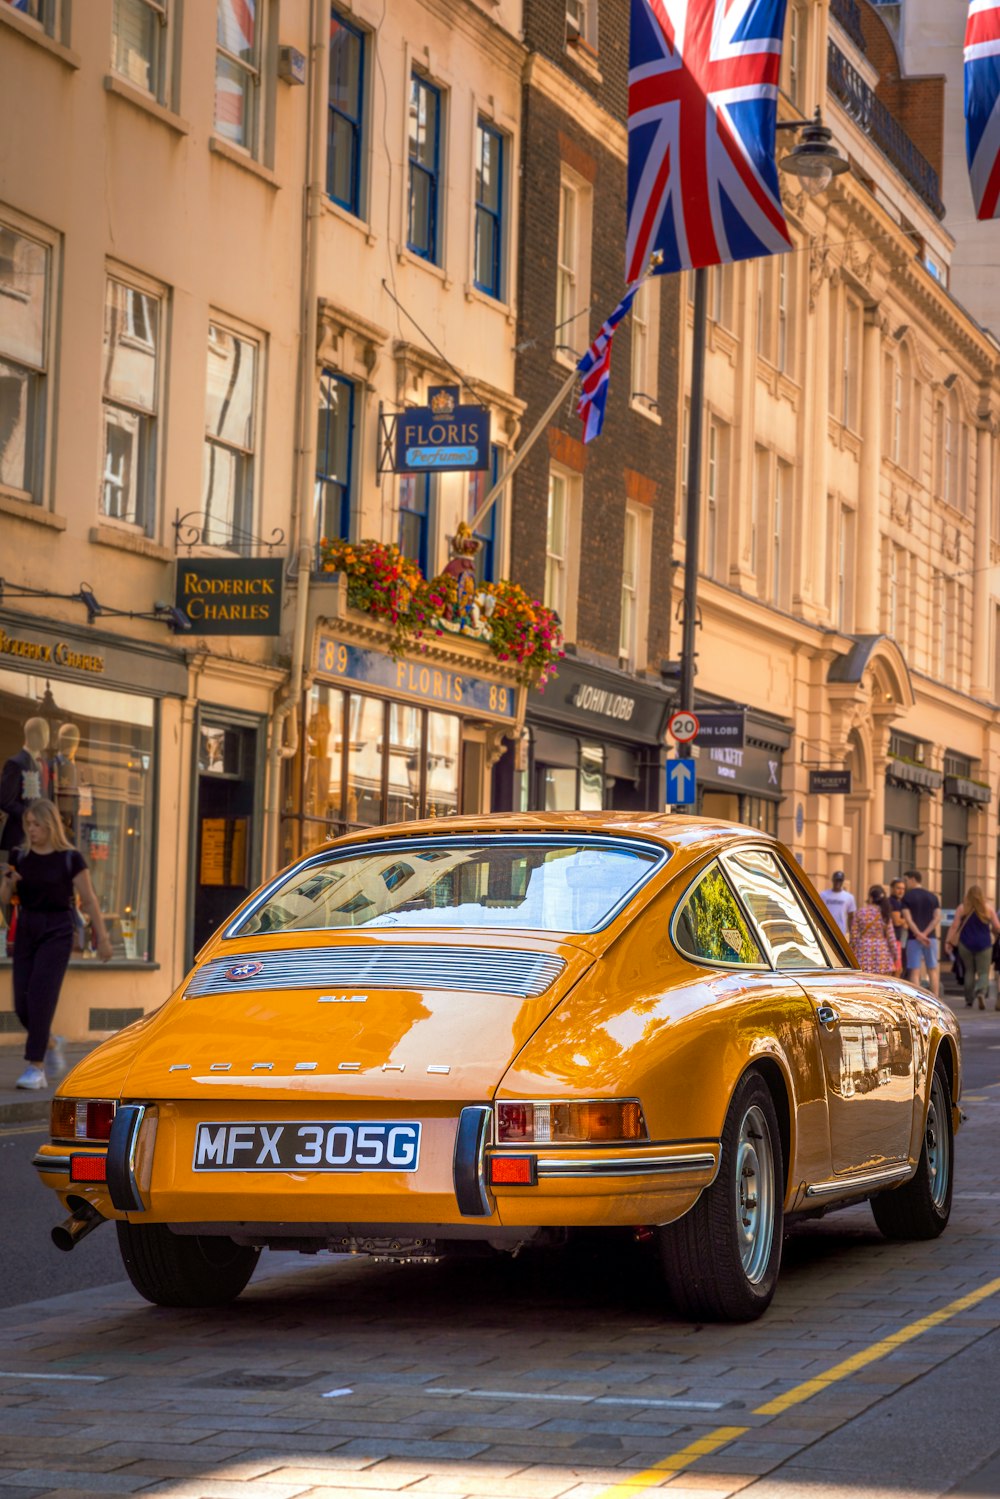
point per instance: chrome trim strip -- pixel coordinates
(492, 970)
(854, 1183)
(661, 853)
(50, 1162)
(469, 1164)
(660, 1165)
(122, 1146)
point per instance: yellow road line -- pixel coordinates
(676, 1462)
(40, 1127)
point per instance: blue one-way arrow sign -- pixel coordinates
(681, 782)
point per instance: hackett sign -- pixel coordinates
(234, 596)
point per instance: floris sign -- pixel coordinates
(442, 437)
(230, 596)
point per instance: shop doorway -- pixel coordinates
(227, 829)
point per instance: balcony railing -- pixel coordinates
(882, 128)
(848, 14)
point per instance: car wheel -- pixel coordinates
(721, 1259)
(921, 1207)
(184, 1270)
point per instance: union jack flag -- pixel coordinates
(982, 105)
(703, 90)
(595, 368)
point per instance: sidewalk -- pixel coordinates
(18, 1105)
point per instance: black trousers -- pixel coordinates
(42, 946)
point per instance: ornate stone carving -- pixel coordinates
(821, 268)
(901, 509)
(951, 542)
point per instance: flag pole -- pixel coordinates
(692, 507)
(655, 261)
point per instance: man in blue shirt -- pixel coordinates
(922, 911)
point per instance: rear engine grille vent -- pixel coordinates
(484, 969)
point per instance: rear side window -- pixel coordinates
(711, 927)
(777, 911)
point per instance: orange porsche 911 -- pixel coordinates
(508, 1029)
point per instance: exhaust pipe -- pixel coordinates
(83, 1220)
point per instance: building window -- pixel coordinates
(334, 456)
(489, 266)
(712, 501)
(646, 346)
(41, 11)
(345, 121)
(557, 542)
(100, 773)
(758, 493)
(795, 54)
(416, 498)
(230, 438)
(781, 513)
(139, 43)
(850, 365)
(783, 358)
(720, 301)
(422, 235)
(487, 560)
(130, 390)
(25, 271)
(573, 266)
(237, 73)
(844, 560)
(581, 22)
(635, 587)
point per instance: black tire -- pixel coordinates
(921, 1207)
(184, 1270)
(717, 1266)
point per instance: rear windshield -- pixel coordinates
(547, 885)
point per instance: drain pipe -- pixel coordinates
(287, 711)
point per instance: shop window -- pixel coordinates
(230, 438)
(238, 73)
(487, 561)
(591, 778)
(139, 43)
(416, 514)
(573, 266)
(489, 206)
(94, 758)
(345, 120)
(776, 909)
(130, 386)
(424, 216)
(25, 271)
(335, 456)
(711, 927)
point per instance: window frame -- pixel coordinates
(488, 560)
(49, 22)
(159, 66)
(724, 857)
(39, 375)
(715, 863)
(356, 126)
(426, 517)
(240, 522)
(496, 287)
(147, 486)
(645, 352)
(573, 266)
(346, 487)
(253, 146)
(432, 254)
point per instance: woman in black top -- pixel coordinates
(46, 874)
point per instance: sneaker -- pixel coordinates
(32, 1077)
(55, 1059)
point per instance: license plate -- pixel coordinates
(291, 1146)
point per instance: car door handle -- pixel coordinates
(827, 1015)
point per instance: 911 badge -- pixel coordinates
(244, 970)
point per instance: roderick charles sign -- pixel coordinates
(230, 596)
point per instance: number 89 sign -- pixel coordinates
(683, 726)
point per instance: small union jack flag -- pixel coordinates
(703, 91)
(595, 368)
(982, 105)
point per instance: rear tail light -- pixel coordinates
(88, 1168)
(513, 1170)
(82, 1119)
(598, 1121)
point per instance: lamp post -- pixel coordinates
(815, 160)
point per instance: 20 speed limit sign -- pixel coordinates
(683, 727)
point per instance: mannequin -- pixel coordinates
(24, 778)
(67, 777)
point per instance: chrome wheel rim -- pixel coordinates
(754, 1195)
(937, 1145)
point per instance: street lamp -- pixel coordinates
(815, 160)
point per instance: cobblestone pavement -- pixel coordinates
(559, 1377)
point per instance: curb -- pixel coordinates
(25, 1110)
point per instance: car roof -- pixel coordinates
(674, 831)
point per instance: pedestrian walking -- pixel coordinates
(45, 876)
(922, 910)
(871, 934)
(897, 889)
(839, 902)
(972, 933)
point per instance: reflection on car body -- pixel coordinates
(507, 1030)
